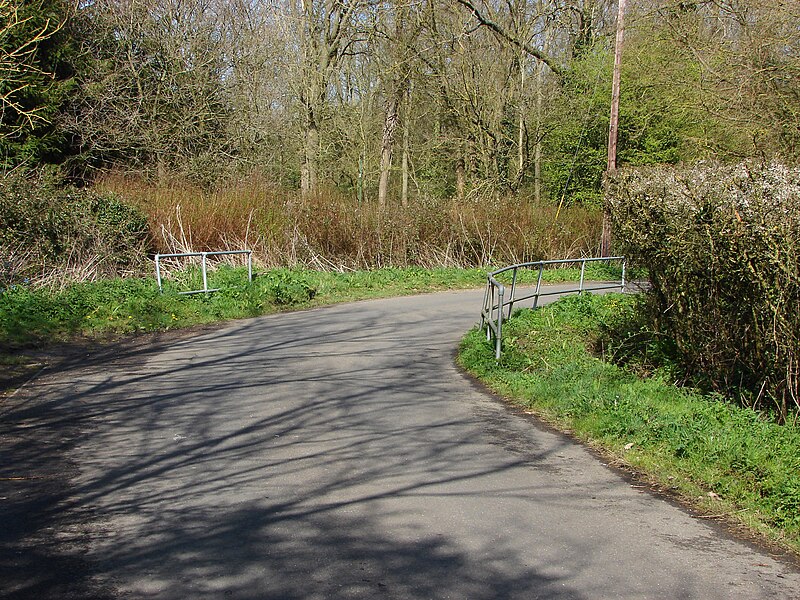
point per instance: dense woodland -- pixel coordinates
(391, 102)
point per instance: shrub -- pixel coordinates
(50, 233)
(722, 247)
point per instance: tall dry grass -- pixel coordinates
(334, 231)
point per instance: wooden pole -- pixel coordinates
(613, 128)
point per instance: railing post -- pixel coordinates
(583, 270)
(538, 286)
(250, 266)
(513, 287)
(622, 286)
(499, 338)
(205, 275)
(485, 303)
(158, 273)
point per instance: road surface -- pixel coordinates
(332, 453)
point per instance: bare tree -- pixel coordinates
(18, 47)
(398, 27)
(155, 95)
(483, 15)
(258, 44)
(327, 33)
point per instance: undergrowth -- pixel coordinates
(51, 234)
(332, 230)
(727, 459)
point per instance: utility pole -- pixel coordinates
(613, 128)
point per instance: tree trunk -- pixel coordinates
(537, 150)
(460, 178)
(308, 170)
(360, 182)
(605, 240)
(387, 146)
(406, 141)
(521, 133)
(313, 101)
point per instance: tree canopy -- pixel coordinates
(393, 99)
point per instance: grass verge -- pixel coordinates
(729, 462)
(31, 317)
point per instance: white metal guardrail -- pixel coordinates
(495, 303)
(204, 266)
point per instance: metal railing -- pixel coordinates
(204, 267)
(495, 304)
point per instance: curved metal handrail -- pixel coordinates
(494, 302)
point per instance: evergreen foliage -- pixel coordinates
(37, 81)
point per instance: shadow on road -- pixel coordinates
(259, 463)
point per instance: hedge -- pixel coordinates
(721, 244)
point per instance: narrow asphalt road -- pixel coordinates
(333, 453)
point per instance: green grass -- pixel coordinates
(37, 317)
(725, 459)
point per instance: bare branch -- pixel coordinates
(17, 61)
(502, 34)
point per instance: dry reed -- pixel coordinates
(333, 231)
